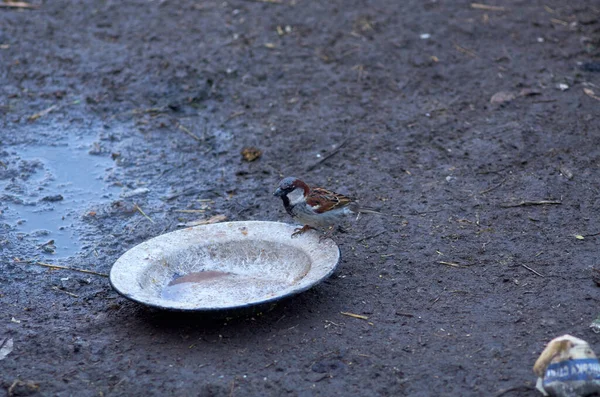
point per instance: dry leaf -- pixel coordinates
(566, 172)
(6, 346)
(591, 94)
(250, 153)
(502, 97)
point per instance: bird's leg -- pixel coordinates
(327, 234)
(301, 230)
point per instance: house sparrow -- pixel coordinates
(315, 207)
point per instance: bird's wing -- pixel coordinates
(322, 200)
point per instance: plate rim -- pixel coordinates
(207, 309)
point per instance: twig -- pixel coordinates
(162, 109)
(74, 269)
(493, 187)
(232, 387)
(531, 270)
(328, 156)
(492, 172)
(516, 388)
(44, 112)
(449, 264)
(355, 315)
(486, 7)
(404, 314)
(182, 128)
(233, 116)
(470, 53)
(66, 292)
(190, 211)
(268, 1)
(559, 22)
(18, 4)
(137, 207)
(427, 212)
(373, 236)
(527, 203)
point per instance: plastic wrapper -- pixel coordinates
(568, 368)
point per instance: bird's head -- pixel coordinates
(288, 185)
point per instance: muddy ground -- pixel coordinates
(453, 118)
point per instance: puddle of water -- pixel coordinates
(184, 287)
(198, 277)
(69, 171)
(216, 286)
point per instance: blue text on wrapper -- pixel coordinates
(573, 370)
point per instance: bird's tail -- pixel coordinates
(358, 210)
(368, 211)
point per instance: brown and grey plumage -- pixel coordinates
(316, 208)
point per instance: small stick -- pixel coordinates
(427, 212)
(493, 187)
(558, 21)
(449, 264)
(149, 110)
(43, 112)
(479, 6)
(268, 1)
(74, 269)
(232, 387)
(182, 128)
(404, 314)
(373, 236)
(355, 315)
(190, 211)
(531, 270)
(328, 156)
(233, 116)
(470, 53)
(66, 292)
(137, 207)
(528, 203)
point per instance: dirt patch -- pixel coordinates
(462, 283)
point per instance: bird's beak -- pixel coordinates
(278, 192)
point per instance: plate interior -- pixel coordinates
(223, 266)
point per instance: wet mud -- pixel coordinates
(473, 127)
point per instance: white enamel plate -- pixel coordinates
(223, 266)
